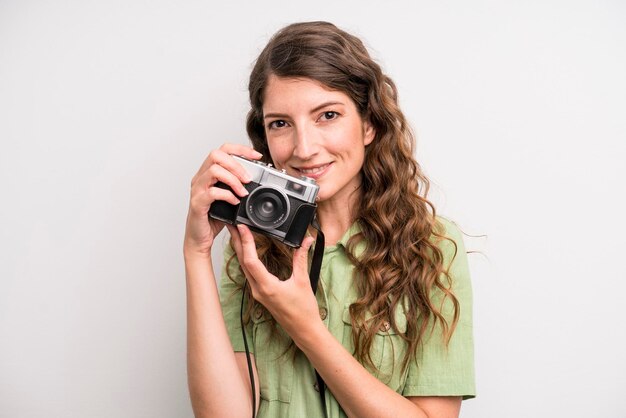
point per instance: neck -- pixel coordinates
(335, 217)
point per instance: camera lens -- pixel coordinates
(267, 208)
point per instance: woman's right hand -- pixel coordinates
(201, 231)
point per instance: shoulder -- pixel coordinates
(447, 236)
(447, 368)
(455, 262)
(448, 228)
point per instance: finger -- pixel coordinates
(300, 259)
(250, 258)
(217, 193)
(234, 234)
(236, 241)
(241, 150)
(217, 173)
(252, 279)
(200, 202)
(202, 198)
(223, 157)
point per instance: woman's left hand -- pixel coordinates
(291, 302)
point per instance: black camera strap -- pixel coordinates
(314, 276)
(318, 254)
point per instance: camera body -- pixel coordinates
(278, 205)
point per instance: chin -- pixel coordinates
(325, 194)
(321, 196)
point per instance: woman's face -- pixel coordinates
(316, 132)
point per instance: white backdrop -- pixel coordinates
(107, 109)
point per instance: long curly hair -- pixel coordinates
(401, 264)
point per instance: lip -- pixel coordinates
(320, 170)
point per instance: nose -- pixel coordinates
(306, 142)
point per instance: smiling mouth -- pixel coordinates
(314, 172)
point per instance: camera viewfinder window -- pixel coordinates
(295, 187)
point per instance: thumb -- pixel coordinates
(301, 258)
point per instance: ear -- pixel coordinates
(369, 133)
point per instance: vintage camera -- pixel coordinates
(278, 205)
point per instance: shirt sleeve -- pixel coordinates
(440, 370)
(230, 286)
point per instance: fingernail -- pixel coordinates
(258, 154)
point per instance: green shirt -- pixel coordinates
(287, 379)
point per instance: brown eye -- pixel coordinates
(277, 124)
(330, 115)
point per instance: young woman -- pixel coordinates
(389, 329)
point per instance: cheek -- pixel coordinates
(278, 152)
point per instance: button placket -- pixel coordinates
(323, 313)
(258, 313)
(385, 326)
(322, 302)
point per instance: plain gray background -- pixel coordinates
(107, 109)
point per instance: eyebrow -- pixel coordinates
(317, 108)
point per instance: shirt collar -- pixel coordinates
(354, 229)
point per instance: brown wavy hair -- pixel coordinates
(401, 264)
